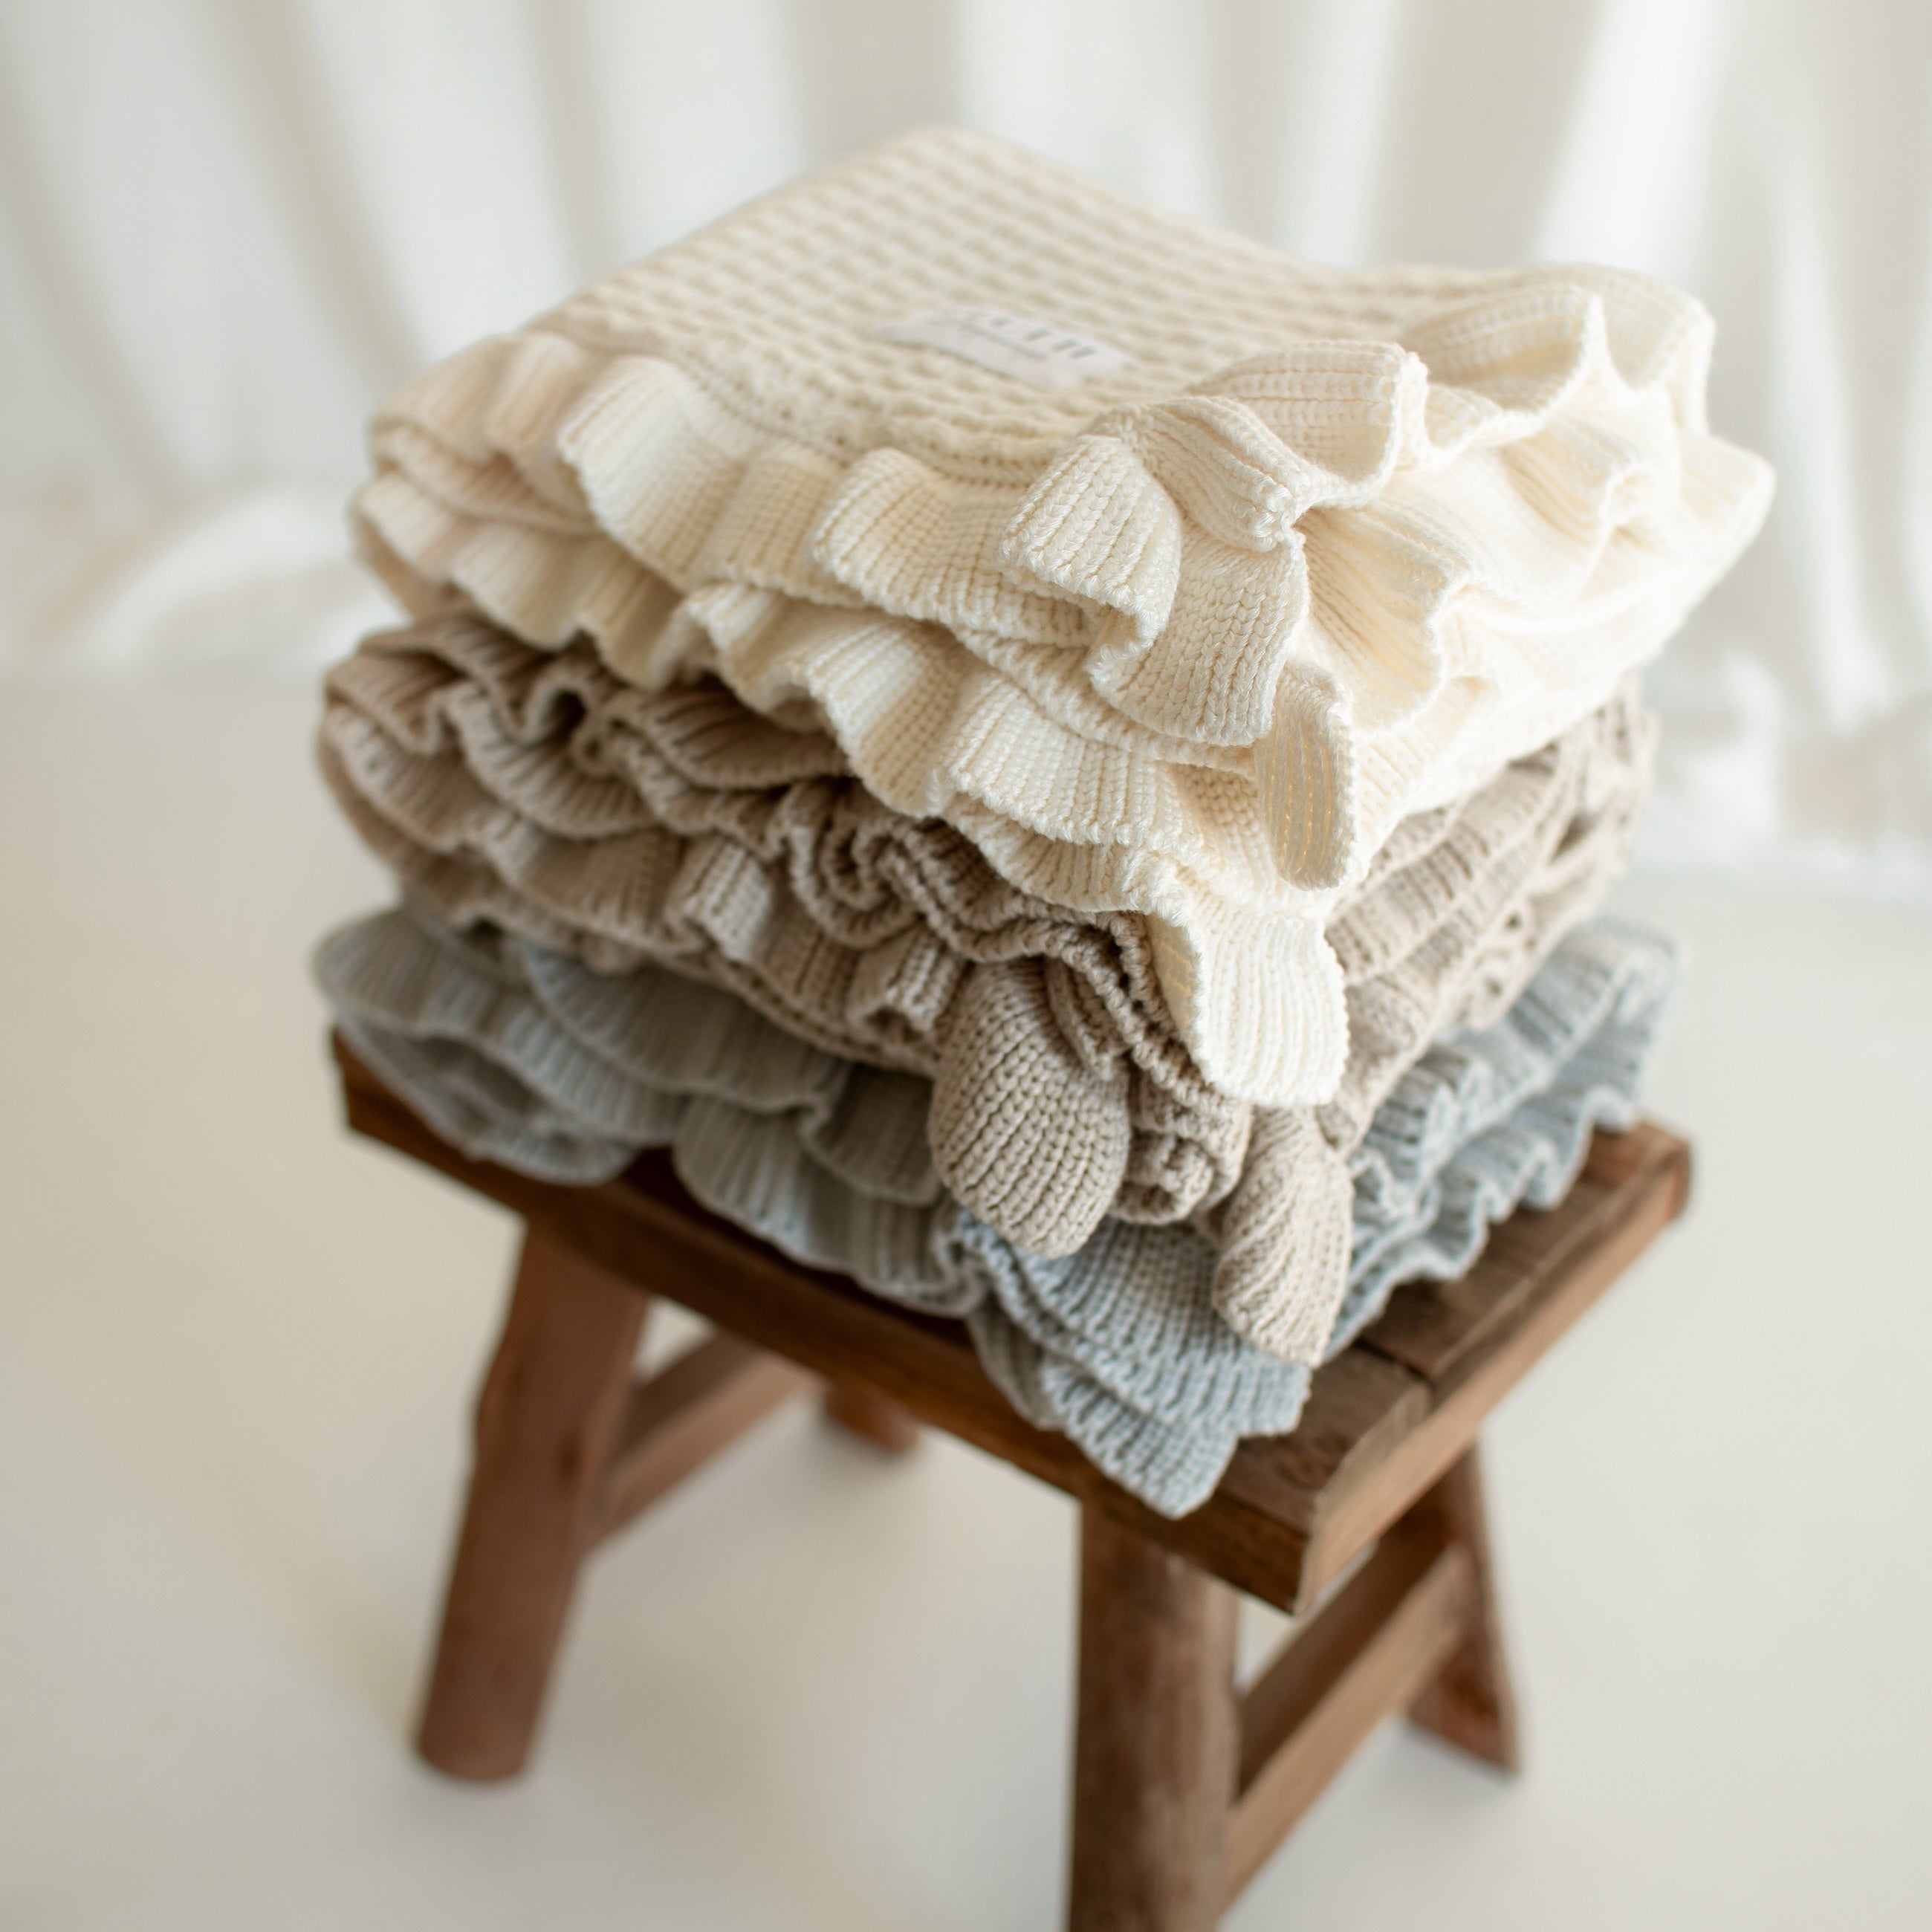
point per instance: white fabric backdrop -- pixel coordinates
(228, 227)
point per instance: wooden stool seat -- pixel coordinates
(1183, 1783)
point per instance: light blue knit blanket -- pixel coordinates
(517, 1054)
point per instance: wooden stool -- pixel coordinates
(1184, 1784)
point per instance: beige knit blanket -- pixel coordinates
(1179, 621)
(536, 790)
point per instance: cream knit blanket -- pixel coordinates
(523, 1057)
(1314, 550)
(536, 790)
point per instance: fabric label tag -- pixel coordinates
(1042, 353)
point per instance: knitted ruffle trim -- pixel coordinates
(1298, 554)
(521, 1058)
(532, 790)
(1493, 1119)
(1008, 740)
(1267, 572)
(1343, 546)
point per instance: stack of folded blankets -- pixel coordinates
(1060, 762)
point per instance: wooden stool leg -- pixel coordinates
(1158, 1736)
(546, 1422)
(884, 1424)
(1472, 1704)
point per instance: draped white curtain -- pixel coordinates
(228, 227)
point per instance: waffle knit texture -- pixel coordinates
(536, 790)
(520, 1056)
(1188, 639)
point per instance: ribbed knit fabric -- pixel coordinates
(1509, 1115)
(1187, 640)
(1284, 1231)
(1492, 1119)
(535, 790)
(521, 1056)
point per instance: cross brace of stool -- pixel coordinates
(1183, 1783)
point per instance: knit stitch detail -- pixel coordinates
(531, 1060)
(1188, 640)
(533, 791)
